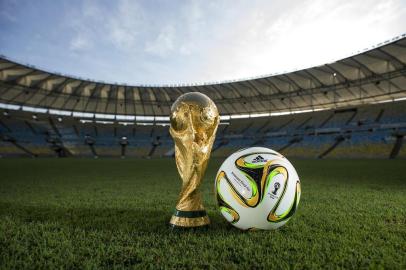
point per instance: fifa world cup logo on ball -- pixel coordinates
(194, 120)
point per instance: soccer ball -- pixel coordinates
(257, 188)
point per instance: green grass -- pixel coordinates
(107, 213)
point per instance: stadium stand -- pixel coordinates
(353, 108)
(354, 132)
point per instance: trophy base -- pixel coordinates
(189, 219)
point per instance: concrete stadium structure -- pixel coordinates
(349, 108)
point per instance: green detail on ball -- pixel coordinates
(253, 185)
(270, 177)
(253, 165)
(231, 212)
(274, 218)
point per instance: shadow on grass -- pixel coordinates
(105, 219)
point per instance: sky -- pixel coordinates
(171, 42)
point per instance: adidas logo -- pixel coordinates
(258, 159)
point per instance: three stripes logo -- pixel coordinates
(258, 159)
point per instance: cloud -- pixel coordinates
(164, 42)
(8, 16)
(286, 36)
(194, 41)
(80, 42)
(125, 24)
(80, 25)
(114, 25)
(7, 11)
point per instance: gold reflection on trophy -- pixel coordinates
(194, 121)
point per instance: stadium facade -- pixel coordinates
(354, 107)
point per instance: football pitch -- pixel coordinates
(111, 213)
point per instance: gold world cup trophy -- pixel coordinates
(194, 121)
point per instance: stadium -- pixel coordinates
(350, 108)
(89, 180)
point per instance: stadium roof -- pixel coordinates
(372, 76)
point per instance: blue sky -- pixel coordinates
(166, 42)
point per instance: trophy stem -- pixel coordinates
(189, 219)
(189, 212)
